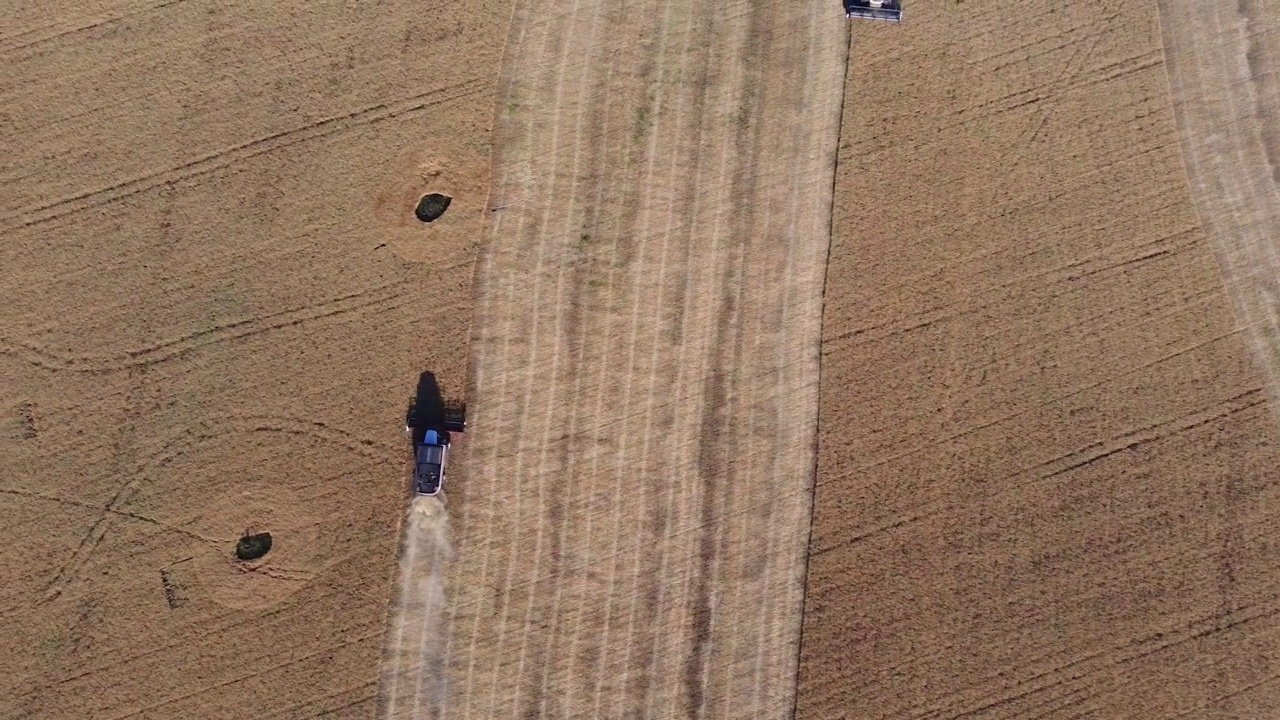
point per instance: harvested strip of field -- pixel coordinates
(631, 534)
(1223, 60)
(413, 678)
(1047, 475)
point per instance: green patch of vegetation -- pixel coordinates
(55, 641)
(643, 122)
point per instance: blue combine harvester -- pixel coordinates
(429, 423)
(428, 474)
(890, 10)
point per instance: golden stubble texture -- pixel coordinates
(1047, 464)
(215, 310)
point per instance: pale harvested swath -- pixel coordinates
(209, 324)
(413, 684)
(631, 539)
(1222, 62)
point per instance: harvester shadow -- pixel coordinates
(428, 410)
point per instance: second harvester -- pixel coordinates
(890, 10)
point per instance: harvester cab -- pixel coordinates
(428, 474)
(890, 10)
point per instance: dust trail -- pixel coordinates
(413, 683)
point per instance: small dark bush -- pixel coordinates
(252, 547)
(432, 206)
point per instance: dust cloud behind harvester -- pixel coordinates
(413, 682)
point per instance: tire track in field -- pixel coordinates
(660, 221)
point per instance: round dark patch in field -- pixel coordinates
(252, 547)
(432, 206)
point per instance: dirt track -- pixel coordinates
(1223, 61)
(632, 529)
(413, 682)
(1047, 474)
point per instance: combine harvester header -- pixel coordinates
(890, 10)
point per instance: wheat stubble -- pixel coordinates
(1047, 481)
(631, 542)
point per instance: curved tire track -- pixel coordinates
(371, 300)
